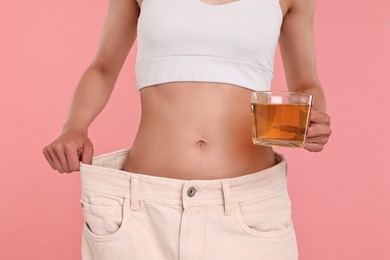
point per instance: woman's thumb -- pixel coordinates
(87, 154)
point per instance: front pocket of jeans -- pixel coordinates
(104, 215)
(265, 216)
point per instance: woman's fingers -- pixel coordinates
(316, 144)
(318, 132)
(314, 147)
(48, 158)
(56, 160)
(59, 149)
(64, 153)
(318, 117)
(318, 139)
(87, 153)
(71, 153)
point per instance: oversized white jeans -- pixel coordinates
(136, 216)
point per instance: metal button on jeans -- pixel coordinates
(191, 192)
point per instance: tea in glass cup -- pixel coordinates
(280, 118)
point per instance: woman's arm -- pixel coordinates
(96, 84)
(299, 59)
(95, 87)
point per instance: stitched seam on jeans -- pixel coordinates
(257, 196)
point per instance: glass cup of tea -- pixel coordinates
(280, 118)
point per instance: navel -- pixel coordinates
(200, 143)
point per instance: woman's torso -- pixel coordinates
(196, 130)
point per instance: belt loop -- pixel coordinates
(134, 192)
(227, 198)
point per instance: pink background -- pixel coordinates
(341, 198)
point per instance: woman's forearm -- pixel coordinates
(90, 97)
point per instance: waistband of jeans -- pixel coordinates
(105, 175)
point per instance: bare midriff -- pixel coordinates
(196, 130)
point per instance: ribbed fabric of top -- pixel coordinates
(190, 40)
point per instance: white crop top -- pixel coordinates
(190, 40)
